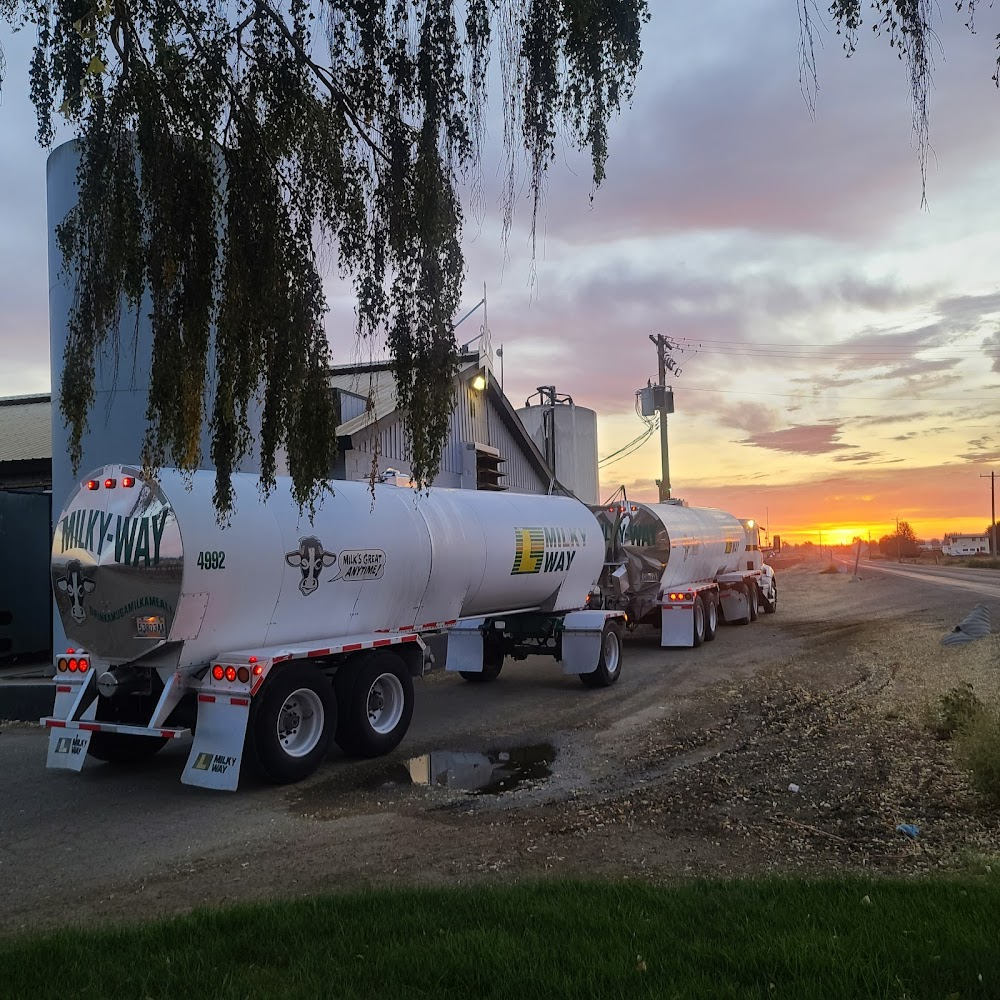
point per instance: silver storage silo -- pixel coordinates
(566, 434)
(117, 421)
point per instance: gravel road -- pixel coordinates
(681, 768)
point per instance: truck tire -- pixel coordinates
(771, 604)
(376, 704)
(609, 665)
(698, 627)
(492, 665)
(124, 748)
(753, 592)
(711, 616)
(291, 723)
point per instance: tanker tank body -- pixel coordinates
(284, 633)
(683, 569)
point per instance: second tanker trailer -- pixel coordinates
(683, 569)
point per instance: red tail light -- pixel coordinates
(217, 672)
(93, 484)
(109, 484)
(128, 481)
(257, 670)
(230, 673)
(83, 666)
(72, 665)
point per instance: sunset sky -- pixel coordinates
(839, 344)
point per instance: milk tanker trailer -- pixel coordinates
(683, 569)
(270, 637)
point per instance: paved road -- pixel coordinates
(76, 838)
(983, 582)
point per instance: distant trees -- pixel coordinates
(902, 543)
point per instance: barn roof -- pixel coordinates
(26, 428)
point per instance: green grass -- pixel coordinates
(776, 938)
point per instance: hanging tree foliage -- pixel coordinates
(221, 143)
(908, 28)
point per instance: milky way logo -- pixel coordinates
(76, 586)
(310, 557)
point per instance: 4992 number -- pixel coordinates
(212, 560)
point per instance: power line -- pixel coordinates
(699, 342)
(872, 399)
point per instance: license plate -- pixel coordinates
(153, 627)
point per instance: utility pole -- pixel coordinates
(993, 512)
(898, 557)
(664, 362)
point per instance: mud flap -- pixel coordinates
(217, 751)
(582, 634)
(677, 625)
(465, 646)
(68, 749)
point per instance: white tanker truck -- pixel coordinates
(683, 569)
(271, 637)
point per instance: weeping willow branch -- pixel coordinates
(221, 141)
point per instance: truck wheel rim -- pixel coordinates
(300, 722)
(385, 703)
(612, 653)
(713, 616)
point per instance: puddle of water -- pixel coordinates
(482, 773)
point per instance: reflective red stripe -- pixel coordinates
(206, 697)
(351, 647)
(318, 652)
(63, 688)
(55, 723)
(168, 734)
(90, 726)
(382, 642)
(256, 686)
(239, 701)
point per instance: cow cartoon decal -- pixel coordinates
(76, 586)
(310, 557)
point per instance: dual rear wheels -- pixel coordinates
(366, 710)
(706, 618)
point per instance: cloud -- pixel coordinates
(815, 439)
(991, 348)
(863, 457)
(755, 418)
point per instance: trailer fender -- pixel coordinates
(582, 633)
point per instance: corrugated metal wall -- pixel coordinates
(474, 421)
